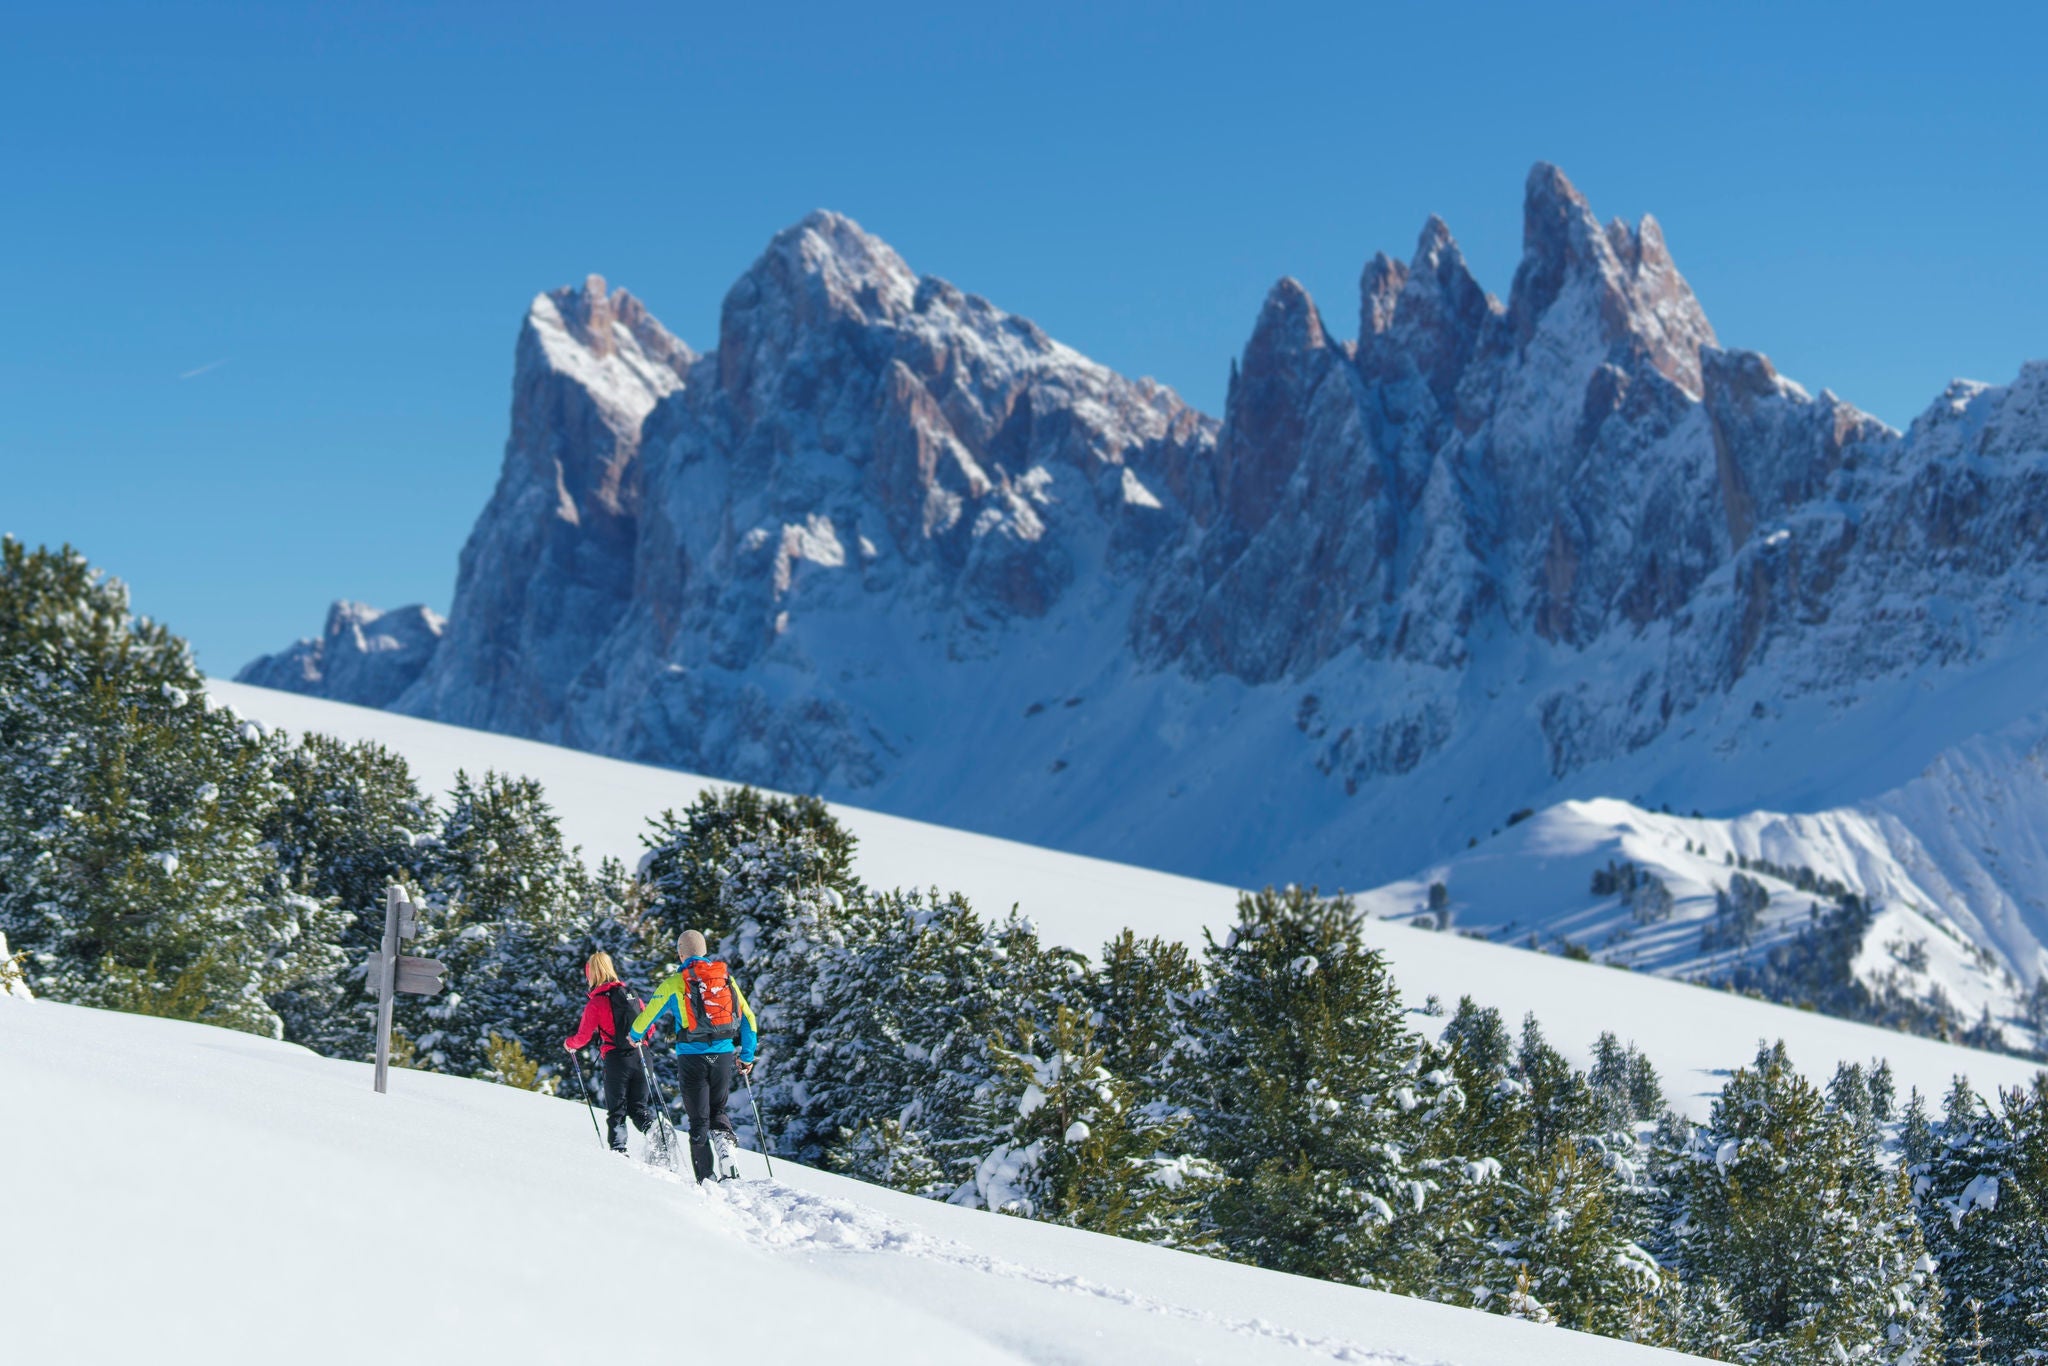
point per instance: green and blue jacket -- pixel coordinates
(672, 999)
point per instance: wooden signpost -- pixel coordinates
(395, 972)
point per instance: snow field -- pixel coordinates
(181, 1193)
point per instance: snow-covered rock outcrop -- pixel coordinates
(548, 571)
(365, 656)
(889, 542)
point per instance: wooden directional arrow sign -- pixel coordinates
(419, 976)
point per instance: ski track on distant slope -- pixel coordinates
(784, 1219)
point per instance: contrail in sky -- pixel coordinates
(210, 365)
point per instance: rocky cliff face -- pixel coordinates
(548, 572)
(890, 542)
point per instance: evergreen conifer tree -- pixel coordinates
(349, 821)
(911, 1015)
(688, 866)
(1776, 1169)
(1984, 1204)
(502, 913)
(1079, 1147)
(1139, 1000)
(1313, 1103)
(132, 872)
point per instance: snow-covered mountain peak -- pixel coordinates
(1289, 323)
(363, 656)
(1430, 314)
(820, 275)
(893, 541)
(1597, 291)
(609, 345)
(1990, 422)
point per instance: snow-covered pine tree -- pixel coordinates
(1139, 1001)
(1555, 1221)
(1958, 1168)
(688, 863)
(1776, 1171)
(348, 821)
(502, 913)
(131, 867)
(1624, 1085)
(1917, 1140)
(1312, 1099)
(1492, 1128)
(910, 1017)
(1079, 1147)
(1561, 1097)
(611, 916)
(1984, 1205)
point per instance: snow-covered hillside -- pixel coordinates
(1951, 864)
(179, 1193)
(1693, 1034)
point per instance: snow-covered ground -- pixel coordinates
(178, 1193)
(1693, 1034)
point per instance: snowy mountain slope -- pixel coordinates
(241, 1200)
(1694, 1035)
(888, 542)
(1952, 864)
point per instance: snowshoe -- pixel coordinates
(725, 1164)
(664, 1149)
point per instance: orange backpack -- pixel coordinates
(714, 1005)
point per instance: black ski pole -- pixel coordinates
(760, 1129)
(577, 1063)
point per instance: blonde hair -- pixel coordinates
(598, 971)
(690, 944)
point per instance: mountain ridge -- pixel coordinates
(891, 542)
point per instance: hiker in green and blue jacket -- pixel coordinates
(715, 1035)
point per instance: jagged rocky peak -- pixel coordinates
(1617, 284)
(604, 322)
(817, 277)
(1430, 313)
(1267, 407)
(1993, 422)
(606, 342)
(1774, 445)
(831, 344)
(364, 656)
(1289, 324)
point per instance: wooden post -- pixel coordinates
(386, 968)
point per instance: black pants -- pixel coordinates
(707, 1082)
(625, 1095)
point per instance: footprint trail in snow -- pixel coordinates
(786, 1219)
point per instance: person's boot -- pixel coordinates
(700, 1156)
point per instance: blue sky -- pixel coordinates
(266, 265)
